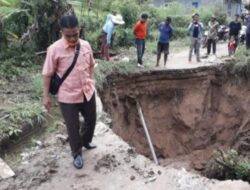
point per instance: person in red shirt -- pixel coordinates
(232, 45)
(140, 32)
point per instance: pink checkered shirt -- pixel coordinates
(80, 82)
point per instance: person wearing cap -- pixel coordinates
(140, 33)
(195, 30)
(234, 28)
(107, 31)
(213, 26)
(76, 94)
(166, 32)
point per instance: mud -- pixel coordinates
(188, 112)
(113, 165)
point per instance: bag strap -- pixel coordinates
(66, 74)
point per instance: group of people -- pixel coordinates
(76, 94)
(140, 31)
(196, 30)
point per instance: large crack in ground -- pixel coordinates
(188, 112)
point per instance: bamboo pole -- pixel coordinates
(147, 134)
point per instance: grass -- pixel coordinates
(228, 165)
(16, 115)
(240, 67)
(37, 88)
(104, 69)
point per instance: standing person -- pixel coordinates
(110, 15)
(166, 32)
(76, 94)
(232, 45)
(140, 32)
(234, 29)
(213, 26)
(109, 18)
(107, 31)
(195, 30)
(248, 32)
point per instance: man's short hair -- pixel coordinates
(169, 19)
(69, 21)
(144, 15)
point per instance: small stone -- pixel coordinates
(151, 179)
(151, 173)
(132, 178)
(159, 172)
(62, 138)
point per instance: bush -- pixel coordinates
(228, 165)
(123, 37)
(12, 60)
(129, 10)
(241, 65)
(180, 33)
(91, 24)
(181, 21)
(105, 69)
(94, 38)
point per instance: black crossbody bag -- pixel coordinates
(56, 81)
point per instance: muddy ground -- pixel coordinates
(113, 165)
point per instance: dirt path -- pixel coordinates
(179, 60)
(112, 166)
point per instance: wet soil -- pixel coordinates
(188, 112)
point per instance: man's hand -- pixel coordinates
(47, 102)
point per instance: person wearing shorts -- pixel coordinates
(166, 32)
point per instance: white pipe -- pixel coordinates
(147, 133)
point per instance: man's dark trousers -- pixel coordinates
(70, 114)
(140, 46)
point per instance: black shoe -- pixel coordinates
(78, 162)
(89, 146)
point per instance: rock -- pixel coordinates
(39, 143)
(125, 59)
(62, 138)
(151, 179)
(232, 185)
(132, 178)
(127, 159)
(5, 170)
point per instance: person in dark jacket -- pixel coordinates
(234, 28)
(248, 33)
(195, 30)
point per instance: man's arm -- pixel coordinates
(48, 70)
(171, 32)
(190, 27)
(135, 28)
(46, 97)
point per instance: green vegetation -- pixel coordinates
(228, 165)
(240, 65)
(37, 87)
(17, 115)
(105, 69)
